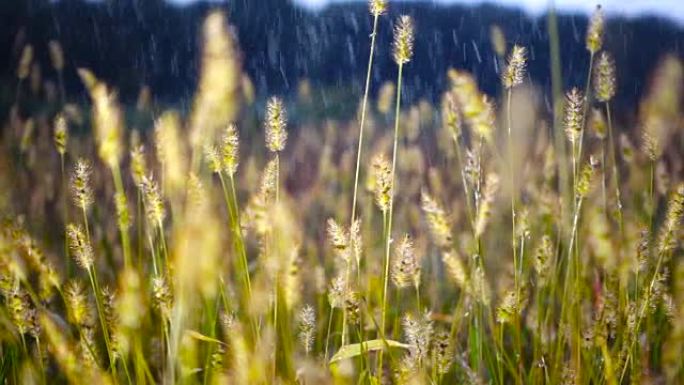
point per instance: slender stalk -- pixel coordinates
(616, 176)
(587, 99)
(125, 241)
(363, 116)
(391, 205)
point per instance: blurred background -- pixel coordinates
(321, 45)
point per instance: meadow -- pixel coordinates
(483, 239)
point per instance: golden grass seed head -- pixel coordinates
(484, 213)
(451, 116)
(339, 239)
(337, 291)
(604, 77)
(24, 66)
(574, 105)
(543, 256)
(405, 264)
(483, 123)
(514, 73)
(377, 7)
(498, 40)
(138, 164)
(196, 194)
(162, 296)
(386, 97)
(456, 268)
(230, 149)
(269, 180)
(276, 122)
(440, 229)
(56, 55)
(675, 209)
(595, 31)
(218, 98)
(80, 184)
(597, 123)
(382, 178)
(87, 349)
(61, 134)
(586, 178)
(80, 248)
(443, 351)
(154, 205)
(477, 108)
(79, 310)
(211, 153)
(307, 327)
(512, 305)
(479, 286)
(352, 307)
(418, 332)
(402, 47)
(649, 146)
(107, 119)
(21, 313)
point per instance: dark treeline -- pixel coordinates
(134, 42)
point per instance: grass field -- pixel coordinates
(482, 240)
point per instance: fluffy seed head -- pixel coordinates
(406, 265)
(444, 351)
(107, 119)
(542, 259)
(451, 116)
(276, 121)
(24, 67)
(403, 40)
(339, 239)
(490, 190)
(377, 7)
(456, 269)
(79, 246)
(673, 216)
(163, 298)
(230, 149)
(440, 229)
(61, 135)
(80, 185)
(154, 205)
(511, 306)
(604, 77)
(382, 176)
(56, 55)
(597, 123)
(337, 291)
(138, 164)
(574, 103)
(650, 146)
(213, 158)
(307, 327)
(498, 40)
(514, 73)
(595, 31)
(78, 309)
(586, 177)
(418, 331)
